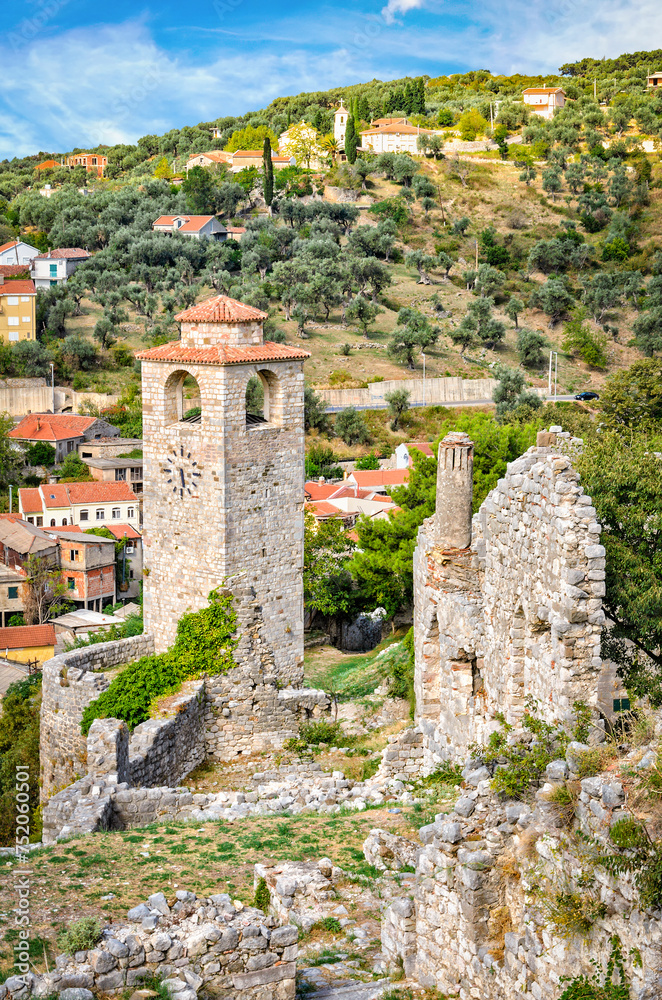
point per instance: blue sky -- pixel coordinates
(76, 73)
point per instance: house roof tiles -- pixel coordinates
(220, 309)
(222, 354)
(50, 426)
(24, 636)
(66, 253)
(18, 286)
(123, 530)
(380, 477)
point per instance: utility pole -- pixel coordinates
(53, 386)
(476, 254)
(10, 498)
(423, 356)
(549, 390)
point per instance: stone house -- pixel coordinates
(117, 470)
(109, 447)
(64, 431)
(11, 594)
(20, 539)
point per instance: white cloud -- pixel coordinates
(394, 7)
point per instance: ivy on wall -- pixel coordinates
(205, 644)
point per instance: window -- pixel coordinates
(52, 522)
(70, 446)
(86, 454)
(101, 514)
(117, 513)
(64, 522)
(13, 336)
(129, 512)
(136, 473)
(31, 520)
(26, 319)
(120, 475)
(74, 554)
(71, 583)
(53, 270)
(12, 300)
(84, 515)
(12, 321)
(12, 593)
(25, 298)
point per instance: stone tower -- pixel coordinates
(223, 487)
(454, 492)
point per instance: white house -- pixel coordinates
(87, 504)
(209, 159)
(17, 252)
(56, 266)
(200, 227)
(396, 136)
(544, 101)
(340, 118)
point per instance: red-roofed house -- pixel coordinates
(86, 504)
(544, 101)
(87, 563)
(94, 163)
(17, 252)
(200, 227)
(403, 453)
(48, 165)
(65, 431)
(52, 268)
(27, 643)
(398, 136)
(18, 298)
(238, 160)
(379, 479)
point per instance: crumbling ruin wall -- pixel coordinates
(516, 615)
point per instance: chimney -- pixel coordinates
(454, 492)
(2, 279)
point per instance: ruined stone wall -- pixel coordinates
(70, 682)
(517, 615)
(241, 506)
(235, 951)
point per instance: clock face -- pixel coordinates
(183, 474)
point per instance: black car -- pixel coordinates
(587, 395)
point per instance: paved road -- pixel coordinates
(382, 405)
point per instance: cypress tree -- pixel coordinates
(351, 139)
(409, 99)
(420, 88)
(268, 181)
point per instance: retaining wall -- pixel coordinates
(433, 391)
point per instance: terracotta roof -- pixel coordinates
(7, 270)
(380, 477)
(219, 155)
(389, 121)
(359, 492)
(220, 309)
(320, 491)
(18, 286)
(47, 165)
(195, 222)
(23, 537)
(544, 90)
(322, 508)
(8, 246)
(235, 229)
(66, 253)
(51, 426)
(123, 530)
(398, 130)
(23, 636)
(96, 492)
(30, 500)
(222, 354)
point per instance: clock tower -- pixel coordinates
(223, 486)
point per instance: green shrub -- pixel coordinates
(397, 668)
(331, 924)
(19, 748)
(443, 774)
(573, 912)
(643, 860)
(600, 986)
(262, 897)
(80, 935)
(324, 732)
(627, 834)
(205, 643)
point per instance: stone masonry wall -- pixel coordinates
(240, 510)
(70, 682)
(235, 951)
(517, 615)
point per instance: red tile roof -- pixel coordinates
(220, 309)
(320, 491)
(68, 253)
(380, 477)
(123, 530)
(544, 90)
(50, 426)
(397, 130)
(23, 636)
(235, 229)
(55, 495)
(322, 508)
(47, 165)
(219, 155)
(222, 354)
(97, 492)
(195, 222)
(7, 270)
(18, 286)
(350, 490)
(30, 500)
(8, 246)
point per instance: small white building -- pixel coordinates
(17, 252)
(56, 266)
(200, 227)
(544, 101)
(396, 136)
(340, 118)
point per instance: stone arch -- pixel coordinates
(183, 398)
(269, 384)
